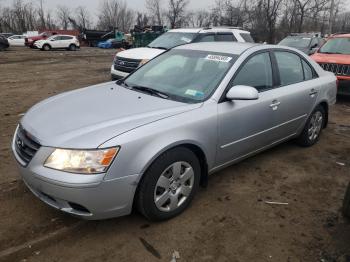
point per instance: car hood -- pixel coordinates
(88, 117)
(331, 58)
(141, 53)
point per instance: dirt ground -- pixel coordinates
(228, 221)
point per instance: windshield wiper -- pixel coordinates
(330, 53)
(158, 47)
(150, 91)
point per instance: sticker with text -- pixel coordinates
(195, 93)
(219, 58)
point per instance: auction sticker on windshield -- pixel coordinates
(219, 58)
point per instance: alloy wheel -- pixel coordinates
(315, 125)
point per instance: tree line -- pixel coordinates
(267, 20)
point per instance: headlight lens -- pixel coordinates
(82, 161)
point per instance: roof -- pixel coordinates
(208, 29)
(235, 48)
(340, 36)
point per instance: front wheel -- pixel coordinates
(169, 185)
(313, 128)
(346, 203)
(46, 48)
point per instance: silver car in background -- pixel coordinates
(149, 141)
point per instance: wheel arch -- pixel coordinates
(325, 106)
(195, 148)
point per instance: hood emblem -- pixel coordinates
(20, 142)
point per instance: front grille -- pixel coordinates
(337, 69)
(126, 65)
(25, 146)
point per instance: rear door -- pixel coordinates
(296, 96)
(245, 125)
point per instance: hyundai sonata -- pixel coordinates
(150, 140)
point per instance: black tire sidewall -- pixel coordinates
(303, 139)
(72, 47)
(146, 203)
(346, 203)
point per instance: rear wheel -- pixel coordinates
(169, 185)
(46, 47)
(313, 128)
(72, 47)
(346, 203)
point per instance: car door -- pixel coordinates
(297, 94)
(66, 41)
(244, 126)
(55, 42)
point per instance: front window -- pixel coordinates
(296, 42)
(172, 39)
(336, 46)
(184, 75)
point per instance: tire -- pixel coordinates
(346, 203)
(46, 47)
(160, 196)
(72, 47)
(313, 128)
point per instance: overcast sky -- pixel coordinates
(93, 5)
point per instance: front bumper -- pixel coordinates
(116, 74)
(87, 196)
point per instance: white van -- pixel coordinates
(127, 61)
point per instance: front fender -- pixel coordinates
(140, 147)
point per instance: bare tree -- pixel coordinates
(63, 14)
(154, 9)
(82, 17)
(176, 12)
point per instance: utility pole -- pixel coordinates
(331, 17)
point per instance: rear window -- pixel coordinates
(247, 37)
(225, 37)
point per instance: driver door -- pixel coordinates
(245, 126)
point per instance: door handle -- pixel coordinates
(275, 104)
(313, 92)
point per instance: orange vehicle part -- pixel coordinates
(336, 62)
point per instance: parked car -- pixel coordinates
(307, 43)
(16, 40)
(151, 139)
(110, 43)
(3, 43)
(68, 42)
(334, 56)
(30, 41)
(127, 61)
(346, 203)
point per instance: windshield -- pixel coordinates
(297, 42)
(172, 39)
(336, 46)
(183, 75)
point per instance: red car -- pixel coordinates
(29, 41)
(334, 56)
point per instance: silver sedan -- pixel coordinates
(149, 141)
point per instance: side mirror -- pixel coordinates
(313, 46)
(241, 92)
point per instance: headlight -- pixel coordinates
(143, 61)
(82, 161)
